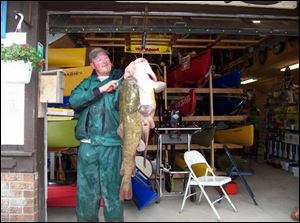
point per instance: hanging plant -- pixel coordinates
(22, 52)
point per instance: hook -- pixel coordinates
(18, 29)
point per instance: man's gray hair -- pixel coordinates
(93, 54)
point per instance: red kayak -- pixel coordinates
(196, 74)
(186, 105)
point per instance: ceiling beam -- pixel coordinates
(220, 37)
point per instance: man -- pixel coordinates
(99, 157)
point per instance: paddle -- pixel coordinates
(60, 175)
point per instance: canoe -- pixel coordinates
(196, 74)
(186, 105)
(66, 57)
(205, 137)
(73, 76)
(61, 194)
(61, 134)
(229, 80)
(224, 105)
(241, 135)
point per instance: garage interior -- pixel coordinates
(258, 50)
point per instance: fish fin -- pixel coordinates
(141, 147)
(122, 170)
(151, 123)
(120, 130)
(126, 189)
(159, 86)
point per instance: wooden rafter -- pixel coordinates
(176, 42)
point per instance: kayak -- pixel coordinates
(186, 105)
(229, 80)
(241, 135)
(204, 137)
(224, 105)
(196, 73)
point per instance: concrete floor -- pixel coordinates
(276, 192)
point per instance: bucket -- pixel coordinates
(142, 193)
(230, 188)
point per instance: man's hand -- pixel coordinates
(109, 87)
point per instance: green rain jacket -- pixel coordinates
(99, 115)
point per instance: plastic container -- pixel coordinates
(63, 196)
(296, 171)
(230, 188)
(142, 193)
(284, 165)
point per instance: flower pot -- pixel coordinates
(16, 71)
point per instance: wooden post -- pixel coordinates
(212, 155)
(165, 91)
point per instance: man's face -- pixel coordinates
(101, 64)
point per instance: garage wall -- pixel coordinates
(22, 166)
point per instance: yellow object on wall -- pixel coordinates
(154, 44)
(73, 76)
(242, 135)
(66, 57)
(149, 49)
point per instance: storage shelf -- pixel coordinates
(171, 93)
(196, 146)
(206, 90)
(283, 130)
(207, 118)
(280, 104)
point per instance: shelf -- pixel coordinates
(206, 90)
(280, 104)
(172, 93)
(207, 118)
(196, 146)
(284, 130)
(181, 175)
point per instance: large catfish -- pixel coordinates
(137, 107)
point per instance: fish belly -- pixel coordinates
(130, 123)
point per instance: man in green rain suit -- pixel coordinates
(99, 157)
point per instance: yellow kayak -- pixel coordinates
(66, 57)
(242, 135)
(73, 76)
(61, 134)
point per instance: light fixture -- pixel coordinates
(248, 81)
(256, 21)
(292, 67)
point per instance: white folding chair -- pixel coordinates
(195, 157)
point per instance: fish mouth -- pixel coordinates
(146, 110)
(152, 76)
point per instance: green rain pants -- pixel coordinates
(98, 174)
